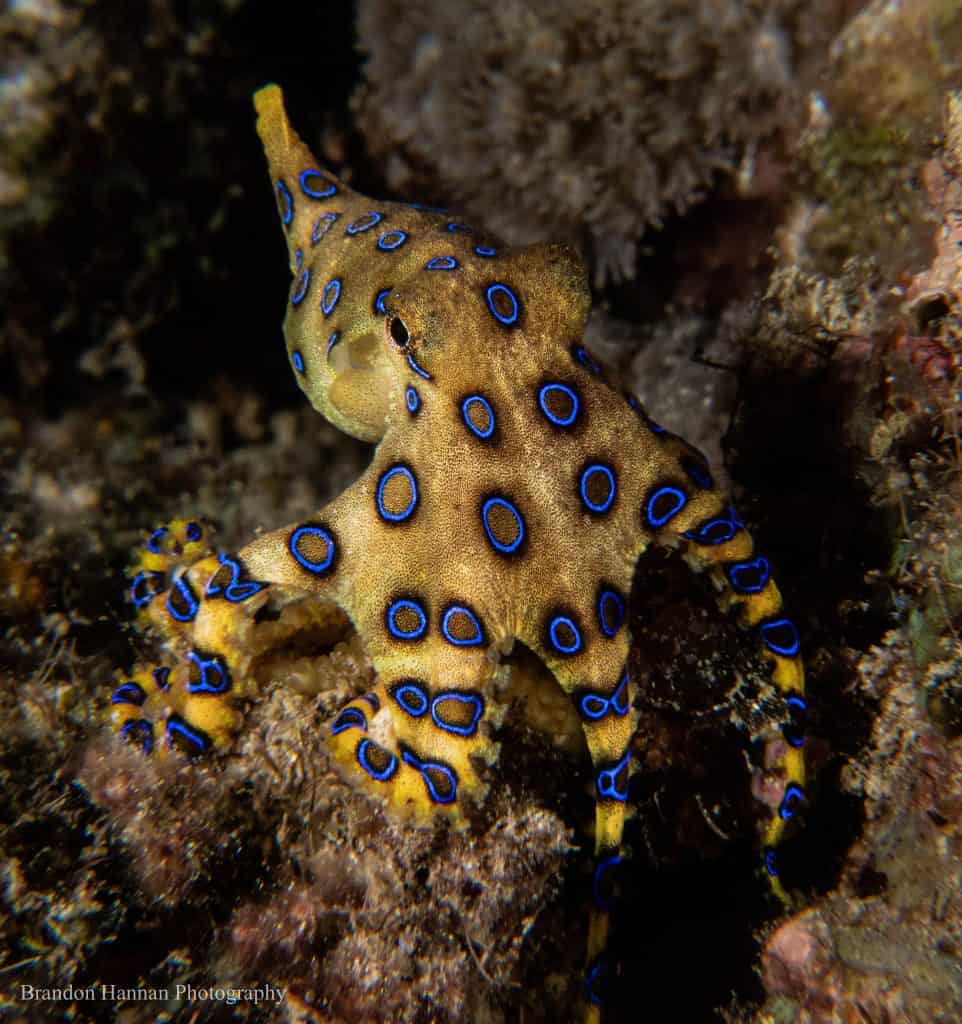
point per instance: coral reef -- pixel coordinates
(584, 122)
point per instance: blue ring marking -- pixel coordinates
(698, 473)
(235, 591)
(397, 517)
(714, 531)
(461, 698)
(483, 250)
(592, 976)
(655, 428)
(600, 869)
(315, 193)
(556, 623)
(484, 435)
(318, 232)
(385, 773)
(411, 698)
(180, 587)
(402, 604)
(154, 539)
(152, 581)
(349, 718)
(771, 862)
(455, 226)
(584, 357)
(610, 624)
(372, 700)
(786, 650)
(505, 549)
(287, 213)
(128, 693)
(793, 731)
(603, 506)
(420, 371)
(139, 730)
(199, 738)
(216, 667)
(162, 677)
(472, 641)
(619, 699)
(379, 301)
(424, 767)
(751, 566)
(301, 286)
(441, 263)
(298, 360)
(681, 500)
(503, 289)
(594, 706)
(192, 532)
(331, 342)
(306, 563)
(364, 223)
(412, 400)
(608, 781)
(330, 295)
(391, 240)
(559, 421)
(794, 795)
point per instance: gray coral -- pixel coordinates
(579, 120)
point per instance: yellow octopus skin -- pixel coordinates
(511, 492)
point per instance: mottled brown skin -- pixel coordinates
(404, 327)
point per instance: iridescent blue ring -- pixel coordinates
(608, 781)
(771, 862)
(406, 604)
(235, 591)
(379, 301)
(145, 586)
(321, 227)
(311, 565)
(570, 393)
(714, 531)
(155, 538)
(610, 622)
(386, 477)
(583, 356)
(139, 730)
(197, 737)
(219, 679)
(417, 368)
(180, 587)
(192, 532)
(466, 405)
(330, 295)
(794, 795)
(441, 263)
(461, 698)
(511, 318)
(600, 507)
(287, 213)
(476, 638)
(300, 287)
(424, 768)
(364, 223)
(786, 647)
(128, 693)
(328, 190)
(412, 699)
(385, 773)
(331, 342)
(483, 250)
(455, 226)
(681, 500)
(600, 869)
(298, 360)
(349, 718)
(391, 240)
(754, 567)
(412, 400)
(505, 549)
(559, 621)
(698, 473)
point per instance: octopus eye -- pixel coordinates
(399, 333)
